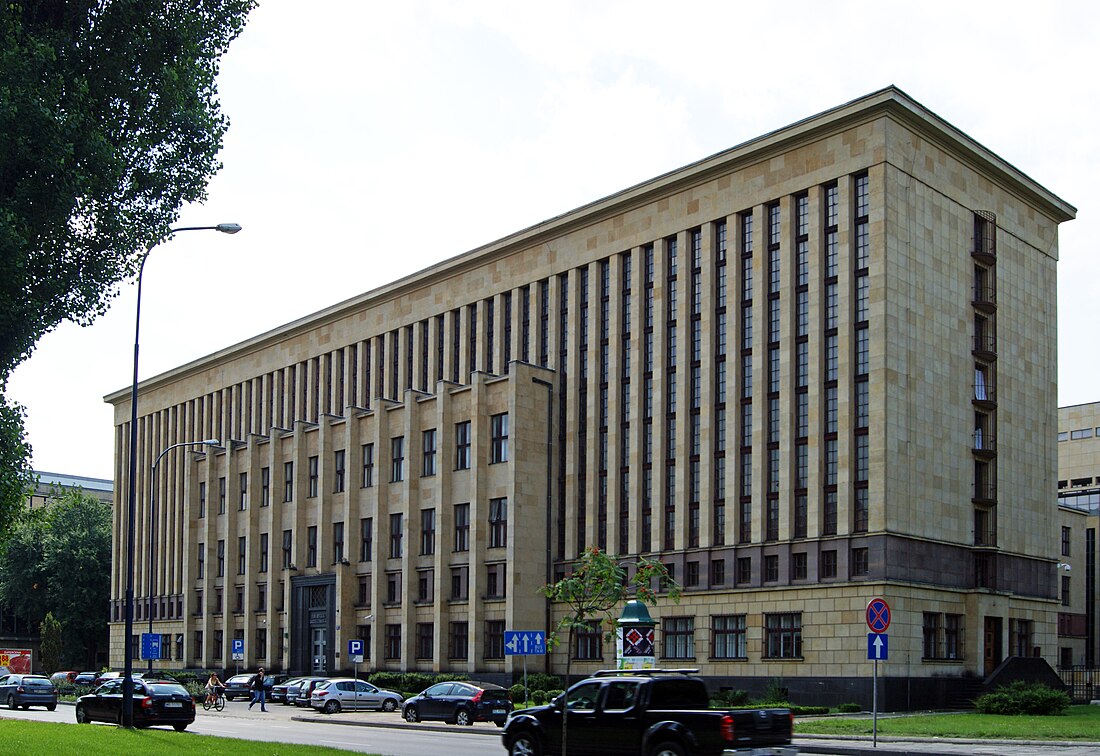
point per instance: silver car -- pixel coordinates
(341, 693)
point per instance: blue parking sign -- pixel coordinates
(238, 648)
(355, 650)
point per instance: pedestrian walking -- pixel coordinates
(259, 690)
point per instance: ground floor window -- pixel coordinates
(783, 635)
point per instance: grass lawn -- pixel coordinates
(1080, 723)
(23, 737)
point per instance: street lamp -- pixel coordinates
(131, 493)
(153, 525)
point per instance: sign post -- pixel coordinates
(355, 652)
(878, 647)
(522, 643)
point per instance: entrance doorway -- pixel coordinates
(319, 650)
(993, 644)
(312, 624)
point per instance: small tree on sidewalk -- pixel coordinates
(593, 593)
(50, 643)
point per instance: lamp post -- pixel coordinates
(131, 493)
(153, 525)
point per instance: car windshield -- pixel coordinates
(240, 678)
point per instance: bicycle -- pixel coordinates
(215, 700)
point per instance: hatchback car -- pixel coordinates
(342, 693)
(460, 703)
(26, 691)
(156, 702)
(279, 690)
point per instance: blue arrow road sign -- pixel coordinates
(878, 646)
(355, 649)
(524, 642)
(150, 645)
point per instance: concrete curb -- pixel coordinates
(419, 726)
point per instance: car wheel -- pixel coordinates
(26, 706)
(389, 705)
(463, 718)
(11, 702)
(524, 744)
(668, 749)
(180, 727)
(331, 707)
(51, 707)
(81, 715)
(411, 714)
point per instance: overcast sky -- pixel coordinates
(370, 140)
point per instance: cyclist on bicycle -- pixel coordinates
(214, 687)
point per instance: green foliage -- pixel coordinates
(776, 693)
(110, 125)
(849, 708)
(16, 477)
(1024, 698)
(38, 576)
(808, 711)
(729, 699)
(543, 681)
(50, 643)
(517, 693)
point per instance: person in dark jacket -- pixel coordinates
(259, 690)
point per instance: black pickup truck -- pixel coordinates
(646, 713)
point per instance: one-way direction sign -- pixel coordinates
(878, 646)
(524, 642)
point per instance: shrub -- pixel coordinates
(386, 680)
(416, 682)
(516, 692)
(849, 708)
(729, 699)
(808, 711)
(543, 681)
(1019, 697)
(775, 693)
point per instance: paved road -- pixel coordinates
(378, 732)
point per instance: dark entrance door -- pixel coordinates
(313, 602)
(993, 644)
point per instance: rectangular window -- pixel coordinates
(744, 570)
(314, 475)
(459, 643)
(494, 639)
(201, 566)
(462, 445)
(242, 496)
(498, 450)
(498, 523)
(427, 531)
(496, 580)
(1067, 538)
(263, 552)
(828, 564)
(783, 635)
(460, 583)
(202, 499)
(288, 481)
(392, 649)
(588, 642)
(221, 558)
(860, 564)
(311, 546)
(428, 464)
(678, 638)
(366, 539)
(799, 567)
(288, 546)
(717, 572)
(393, 588)
(771, 568)
(368, 465)
(425, 585)
(728, 636)
(261, 643)
(396, 525)
(221, 495)
(364, 598)
(338, 470)
(265, 486)
(425, 640)
(932, 635)
(242, 554)
(462, 527)
(337, 542)
(397, 459)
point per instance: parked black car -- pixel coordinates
(85, 678)
(26, 691)
(156, 702)
(237, 686)
(461, 703)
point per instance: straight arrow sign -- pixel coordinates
(878, 646)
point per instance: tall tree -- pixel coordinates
(593, 593)
(109, 124)
(58, 563)
(49, 633)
